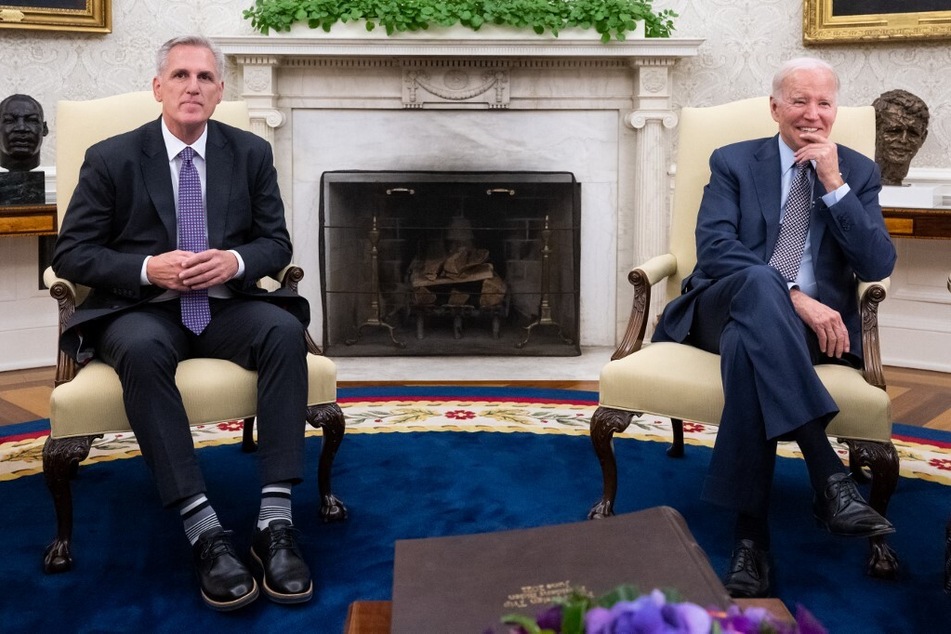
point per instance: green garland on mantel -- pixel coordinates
(610, 18)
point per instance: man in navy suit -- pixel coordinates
(121, 236)
(770, 327)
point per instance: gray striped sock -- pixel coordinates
(198, 517)
(275, 504)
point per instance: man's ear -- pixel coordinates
(156, 85)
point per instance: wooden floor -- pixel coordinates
(919, 397)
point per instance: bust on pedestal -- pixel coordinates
(901, 127)
(22, 128)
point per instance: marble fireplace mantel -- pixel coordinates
(305, 86)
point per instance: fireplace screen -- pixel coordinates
(450, 263)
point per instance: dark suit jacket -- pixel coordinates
(738, 225)
(123, 209)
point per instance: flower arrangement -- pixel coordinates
(625, 611)
(610, 18)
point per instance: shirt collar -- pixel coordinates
(174, 145)
(786, 156)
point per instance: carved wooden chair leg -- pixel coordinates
(328, 417)
(881, 460)
(61, 458)
(676, 449)
(248, 445)
(604, 424)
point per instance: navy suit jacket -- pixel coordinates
(123, 209)
(738, 225)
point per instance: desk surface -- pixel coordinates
(905, 222)
(373, 617)
(28, 220)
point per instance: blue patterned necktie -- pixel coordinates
(193, 237)
(792, 234)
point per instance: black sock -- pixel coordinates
(752, 527)
(821, 459)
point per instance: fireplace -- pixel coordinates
(450, 263)
(601, 112)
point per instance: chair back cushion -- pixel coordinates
(79, 124)
(702, 130)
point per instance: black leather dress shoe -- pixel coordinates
(748, 577)
(275, 554)
(226, 583)
(841, 510)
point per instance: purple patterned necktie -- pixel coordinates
(792, 234)
(193, 237)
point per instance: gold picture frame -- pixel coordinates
(867, 22)
(91, 16)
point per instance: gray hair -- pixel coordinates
(161, 56)
(797, 64)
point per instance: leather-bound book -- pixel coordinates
(467, 583)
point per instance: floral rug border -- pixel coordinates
(23, 457)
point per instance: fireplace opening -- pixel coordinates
(450, 263)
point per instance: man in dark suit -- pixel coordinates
(171, 225)
(773, 306)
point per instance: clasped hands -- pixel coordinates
(187, 271)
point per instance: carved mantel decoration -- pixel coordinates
(290, 80)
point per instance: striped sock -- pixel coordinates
(275, 504)
(198, 516)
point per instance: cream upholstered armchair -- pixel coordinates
(87, 402)
(683, 383)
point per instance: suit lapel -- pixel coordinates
(765, 168)
(155, 171)
(219, 165)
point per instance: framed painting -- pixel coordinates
(93, 16)
(870, 21)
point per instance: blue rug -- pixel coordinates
(133, 571)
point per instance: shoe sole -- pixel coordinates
(227, 606)
(279, 597)
(872, 533)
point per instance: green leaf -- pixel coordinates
(572, 619)
(610, 18)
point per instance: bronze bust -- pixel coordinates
(901, 127)
(22, 129)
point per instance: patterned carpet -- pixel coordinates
(924, 454)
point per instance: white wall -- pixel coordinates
(745, 41)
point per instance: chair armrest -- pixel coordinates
(871, 295)
(642, 278)
(289, 277)
(67, 296)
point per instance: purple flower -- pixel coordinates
(598, 621)
(688, 618)
(550, 619)
(808, 624)
(641, 616)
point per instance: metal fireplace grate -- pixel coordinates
(450, 263)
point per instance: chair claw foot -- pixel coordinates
(332, 509)
(601, 510)
(882, 561)
(57, 557)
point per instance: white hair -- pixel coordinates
(797, 64)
